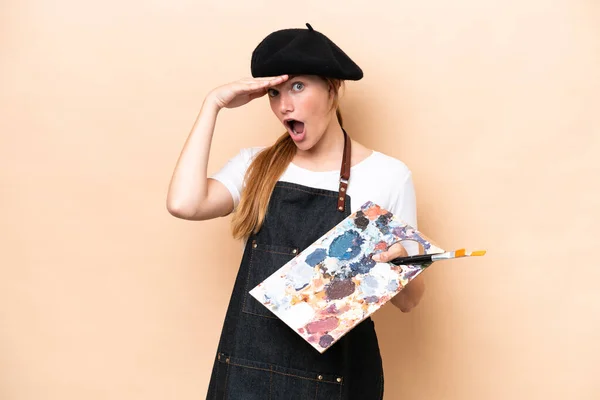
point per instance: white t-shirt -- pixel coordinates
(379, 178)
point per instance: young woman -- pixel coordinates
(284, 197)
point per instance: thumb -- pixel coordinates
(396, 250)
(381, 257)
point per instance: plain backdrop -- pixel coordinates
(494, 106)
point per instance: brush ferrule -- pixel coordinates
(441, 256)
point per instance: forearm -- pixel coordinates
(411, 295)
(188, 186)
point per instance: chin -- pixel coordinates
(305, 145)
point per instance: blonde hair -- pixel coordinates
(264, 172)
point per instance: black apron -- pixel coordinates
(259, 357)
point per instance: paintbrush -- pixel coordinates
(426, 258)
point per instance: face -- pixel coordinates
(303, 105)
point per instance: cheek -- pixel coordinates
(315, 106)
(274, 105)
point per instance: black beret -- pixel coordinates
(302, 52)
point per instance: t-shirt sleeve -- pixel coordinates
(405, 207)
(233, 172)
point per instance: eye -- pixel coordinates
(298, 86)
(273, 92)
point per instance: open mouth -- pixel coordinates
(295, 126)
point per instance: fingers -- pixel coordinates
(240, 92)
(394, 251)
(270, 78)
(277, 80)
(261, 83)
(257, 94)
(255, 86)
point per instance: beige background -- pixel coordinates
(494, 105)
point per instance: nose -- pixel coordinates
(286, 104)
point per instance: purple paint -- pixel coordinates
(332, 309)
(338, 289)
(325, 341)
(372, 299)
(361, 221)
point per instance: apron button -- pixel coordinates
(294, 251)
(227, 360)
(340, 208)
(339, 380)
(320, 377)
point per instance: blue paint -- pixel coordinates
(299, 275)
(346, 246)
(392, 286)
(371, 282)
(382, 223)
(316, 257)
(363, 266)
(401, 231)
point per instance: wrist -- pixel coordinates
(211, 103)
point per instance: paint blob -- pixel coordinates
(323, 326)
(346, 246)
(338, 289)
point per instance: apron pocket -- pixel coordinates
(250, 380)
(265, 259)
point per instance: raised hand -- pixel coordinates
(238, 93)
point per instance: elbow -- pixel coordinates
(189, 212)
(180, 210)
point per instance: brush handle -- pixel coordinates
(418, 259)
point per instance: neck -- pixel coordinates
(328, 151)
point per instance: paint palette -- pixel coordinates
(334, 284)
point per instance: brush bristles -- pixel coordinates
(460, 253)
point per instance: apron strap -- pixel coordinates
(344, 172)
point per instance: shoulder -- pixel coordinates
(387, 166)
(244, 157)
(236, 166)
(247, 154)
